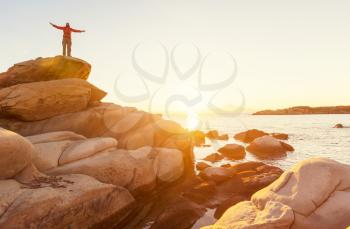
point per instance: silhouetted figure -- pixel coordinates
(67, 38)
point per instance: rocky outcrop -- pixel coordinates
(268, 146)
(44, 69)
(315, 193)
(42, 100)
(119, 152)
(303, 110)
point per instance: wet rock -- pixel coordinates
(220, 210)
(198, 137)
(217, 174)
(202, 165)
(223, 137)
(201, 193)
(249, 135)
(233, 151)
(249, 165)
(44, 69)
(212, 134)
(214, 157)
(280, 136)
(180, 214)
(268, 146)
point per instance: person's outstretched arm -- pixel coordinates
(56, 26)
(77, 30)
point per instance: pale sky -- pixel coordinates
(287, 52)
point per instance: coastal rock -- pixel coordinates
(82, 202)
(245, 215)
(249, 135)
(312, 191)
(42, 100)
(116, 167)
(233, 151)
(315, 189)
(15, 154)
(339, 125)
(198, 137)
(86, 148)
(280, 136)
(214, 157)
(44, 69)
(202, 165)
(47, 154)
(169, 164)
(212, 134)
(268, 146)
(217, 174)
(55, 137)
(302, 110)
(180, 214)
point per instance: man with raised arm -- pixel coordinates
(67, 39)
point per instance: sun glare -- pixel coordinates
(192, 121)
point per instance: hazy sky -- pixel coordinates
(287, 52)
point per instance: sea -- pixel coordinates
(310, 135)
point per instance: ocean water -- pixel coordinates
(310, 135)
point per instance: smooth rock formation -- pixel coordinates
(55, 137)
(15, 154)
(86, 148)
(315, 193)
(280, 136)
(82, 202)
(202, 165)
(42, 100)
(245, 215)
(232, 151)
(44, 69)
(268, 146)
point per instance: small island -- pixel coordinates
(305, 110)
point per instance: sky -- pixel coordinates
(266, 54)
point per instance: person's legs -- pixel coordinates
(69, 47)
(64, 45)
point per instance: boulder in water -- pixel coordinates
(268, 146)
(339, 125)
(249, 135)
(233, 151)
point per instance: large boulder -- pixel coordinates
(249, 135)
(15, 154)
(78, 201)
(233, 151)
(268, 146)
(44, 69)
(42, 100)
(245, 215)
(316, 189)
(116, 167)
(313, 194)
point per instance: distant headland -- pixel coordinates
(304, 110)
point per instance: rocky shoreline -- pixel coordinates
(69, 160)
(305, 110)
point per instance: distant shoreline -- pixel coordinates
(306, 110)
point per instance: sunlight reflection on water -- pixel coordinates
(310, 135)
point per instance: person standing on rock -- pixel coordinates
(67, 38)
